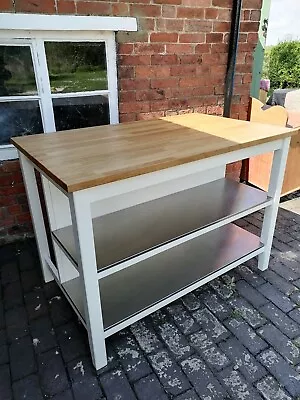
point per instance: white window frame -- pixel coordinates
(14, 30)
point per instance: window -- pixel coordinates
(61, 74)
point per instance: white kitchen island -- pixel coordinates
(141, 213)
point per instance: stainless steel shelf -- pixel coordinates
(124, 234)
(135, 289)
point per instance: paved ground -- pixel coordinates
(236, 338)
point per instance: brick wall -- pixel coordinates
(175, 63)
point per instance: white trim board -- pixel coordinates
(40, 22)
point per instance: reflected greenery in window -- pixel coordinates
(16, 71)
(76, 66)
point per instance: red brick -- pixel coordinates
(164, 59)
(7, 222)
(6, 179)
(255, 15)
(141, 10)
(120, 9)
(243, 37)
(185, 70)
(177, 104)
(149, 95)
(126, 72)
(22, 218)
(7, 200)
(178, 93)
(164, 83)
(163, 37)
(196, 3)
(150, 115)
(159, 105)
(155, 71)
(131, 37)
(203, 48)
(97, 8)
(247, 78)
(221, 26)
(14, 209)
(246, 15)
(190, 59)
(168, 11)
(198, 26)
(6, 5)
(130, 107)
(135, 60)
(192, 37)
(190, 12)
(187, 82)
(211, 59)
(222, 3)
(169, 24)
(214, 37)
(149, 48)
(174, 2)
(218, 69)
(203, 90)
(125, 48)
(134, 84)
(252, 4)
(39, 6)
(146, 24)
(179, 48)
(219, 48)
(252, 37)
(65, 7)
(224, 14)
(128, 117)
(211, 13)
(127, 95)
(249, 26)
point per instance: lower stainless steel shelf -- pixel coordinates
(126, 233)
(137, 288)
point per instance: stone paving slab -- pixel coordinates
(236, 338)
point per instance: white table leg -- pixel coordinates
(84, 242)
(36, 214)
(274, 191)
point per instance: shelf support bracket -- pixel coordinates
(274, 191)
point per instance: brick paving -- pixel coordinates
(237, 337)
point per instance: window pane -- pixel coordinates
(76, 66)
(80, 112)
(19, 118)
(16, 71)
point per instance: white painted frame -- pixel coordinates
(81, 215)
(34, 29)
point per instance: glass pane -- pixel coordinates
(76, 66)
(16, 71)
(80, 112)
(19, 118)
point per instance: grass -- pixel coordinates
(78, 81)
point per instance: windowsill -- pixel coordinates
(8, 152)
(42, 22)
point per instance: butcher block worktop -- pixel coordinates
(83, 158)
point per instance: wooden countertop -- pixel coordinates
(83, 158)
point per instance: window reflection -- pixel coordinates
(19, 118)
(80, 112)
(76, 66)
(16, 71)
